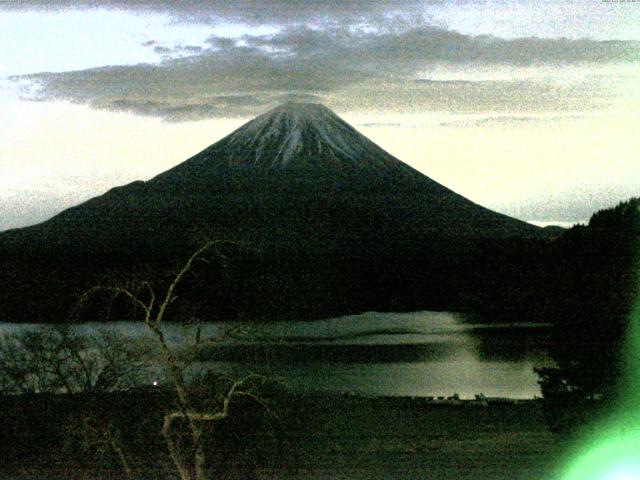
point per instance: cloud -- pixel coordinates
(192, 49)
(219, 43)
(434, 44)
(431, 43)
(162, 50)
(210, 107)
(172, 52)
(544, 18)
(246, 11)
(346, 68)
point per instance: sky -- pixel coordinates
(530, 108)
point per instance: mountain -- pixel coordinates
(326, 208)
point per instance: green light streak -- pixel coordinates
(612, 452)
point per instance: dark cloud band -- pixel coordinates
(247, 11)
(341, 66)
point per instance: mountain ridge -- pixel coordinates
(329, 210)
(291, 136)
(254, 165)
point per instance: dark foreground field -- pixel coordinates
(407, 439)
(315, 437)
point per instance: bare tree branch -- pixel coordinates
(178, 278)
(117, 290)
(190, 463)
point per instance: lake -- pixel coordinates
(398, 354)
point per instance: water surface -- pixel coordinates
(416, 354)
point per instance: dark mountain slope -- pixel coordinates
(326, 207)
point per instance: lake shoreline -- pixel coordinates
(374, 354)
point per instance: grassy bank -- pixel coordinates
(314, 437)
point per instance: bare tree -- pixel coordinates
(58, 359)
(190, 460)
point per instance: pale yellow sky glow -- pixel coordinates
(524, 121)
(527, 167)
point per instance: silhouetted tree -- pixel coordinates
(192, 418)
(594, 287)
(58, 359)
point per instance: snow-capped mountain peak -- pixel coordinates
(301, 135)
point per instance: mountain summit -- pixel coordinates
(293, 134)
(303, 136)
(340, 224)
(301, 159)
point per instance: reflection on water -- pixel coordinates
(304, 353)
(419, 353)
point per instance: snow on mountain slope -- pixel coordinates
(294, 123)
(295, 136)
